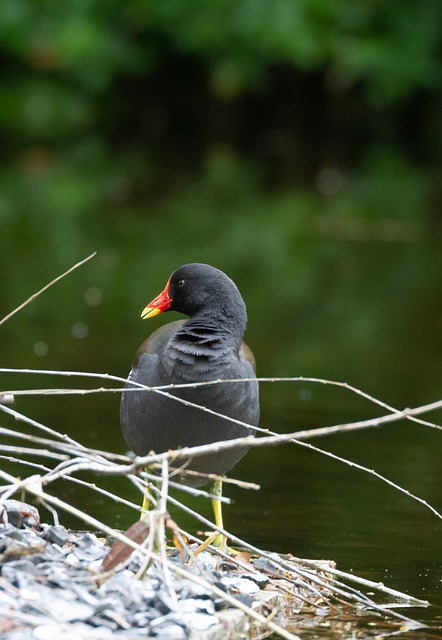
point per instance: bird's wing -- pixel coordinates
(156, 342)
(246, 355)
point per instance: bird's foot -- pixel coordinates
(213, 539)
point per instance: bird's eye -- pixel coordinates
(180, 284)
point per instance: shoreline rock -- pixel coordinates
(51, 587)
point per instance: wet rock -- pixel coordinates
(198, 614)
(89, 548)
(260, 578)
(239, 584)
(198, 605)
(52, 578)
(56, 533)
(204, 562)
(20, 514)
(69, 632)
(267, 565)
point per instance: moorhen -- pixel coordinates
(207, 346)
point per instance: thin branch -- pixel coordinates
(97, 524)
(86, 459)
(44, 453)
(35, 295)
(73, 457)
(272, 440)
(323, 381)
(374, 473)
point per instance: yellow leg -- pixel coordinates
(147, 504)
(217, 539)
(217, 489)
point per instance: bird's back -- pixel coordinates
(153, 421)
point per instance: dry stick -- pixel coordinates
(210, 524)
(39, 493)
(194, 451)
(258, 551)
(164, 487)
(60, 472)
(51, 476)
(67, 443)
(397, 414)
(302, 572)
(44, 453)
(106, 457)
(42, 427)
(57, 473)
(104, 492)
(272, 440)
(144, 489)
(351, 577)
(323, 381)
(206, 522)
(82, 262)
(327, 430)
(74, 465)
(162, 533)
(307, 433)
(33, 465)
(296, 438)
(105, 467)
(108, 469)
(338, 588)
(199, 493)
(306, 574)
(372, 472)
(35, 295)
(316, 432)
(409, 414)
(84, 483)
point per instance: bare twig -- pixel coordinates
(81, 458)
(71, 457)
(322, 381)
(35, 490)
(270, 440)
(35, 295)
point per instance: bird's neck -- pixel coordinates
(202, 346)
(212, 329)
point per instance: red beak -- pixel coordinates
(158, 305)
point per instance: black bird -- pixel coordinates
(207, 346)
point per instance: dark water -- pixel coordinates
(379, 331)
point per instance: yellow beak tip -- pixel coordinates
(150, 312)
